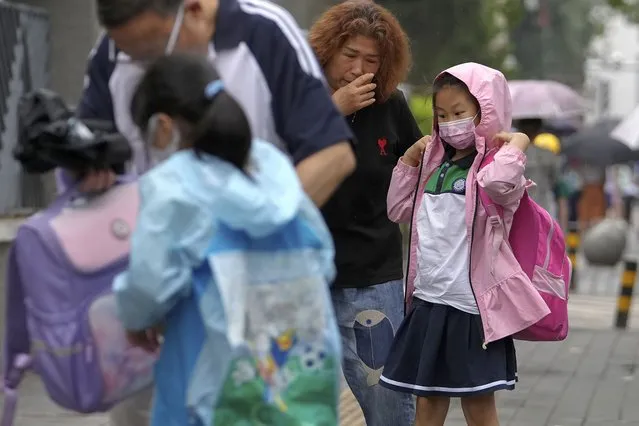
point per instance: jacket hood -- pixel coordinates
(258, 203)
(490, 88)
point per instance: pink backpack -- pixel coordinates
(538, 244)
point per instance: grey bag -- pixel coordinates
(604, 243)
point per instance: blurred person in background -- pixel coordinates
(613, 192)
(542, 167)
(593, 202)
(266, 65)
(568, 192)
(629, 187)
(568, 187)
(365, 55)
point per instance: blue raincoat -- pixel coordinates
(237, 267)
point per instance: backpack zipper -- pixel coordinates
(549, 240)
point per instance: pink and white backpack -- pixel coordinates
(538, 244)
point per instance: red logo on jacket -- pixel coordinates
(382, 143)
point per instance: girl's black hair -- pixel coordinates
(175, 85)
(446, 80)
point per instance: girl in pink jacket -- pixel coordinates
(464, 305)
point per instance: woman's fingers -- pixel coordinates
(367, 102)
(366, 88)
(367, 95)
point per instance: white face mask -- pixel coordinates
(157, 155)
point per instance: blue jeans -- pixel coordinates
(367, 319)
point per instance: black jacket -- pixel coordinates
(368, 245)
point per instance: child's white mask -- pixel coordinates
(157, 155)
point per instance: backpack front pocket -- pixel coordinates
(83, 356)
(62, 358)
(124, 369)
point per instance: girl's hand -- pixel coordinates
(413, 155)
(97, 181)
(149, 339)
(519, 140)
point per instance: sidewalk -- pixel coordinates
(588, 380)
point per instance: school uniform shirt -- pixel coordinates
(265, 63)
(443, 253)
(368, 246)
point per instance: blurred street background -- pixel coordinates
(591, 46)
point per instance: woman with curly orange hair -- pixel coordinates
(365, 55)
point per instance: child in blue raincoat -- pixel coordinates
(230, 263)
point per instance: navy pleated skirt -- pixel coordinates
(438, 351)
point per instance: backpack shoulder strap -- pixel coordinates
(17, 342)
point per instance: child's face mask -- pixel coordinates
(460, 134)
(159, 149)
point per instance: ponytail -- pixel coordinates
(188, 89)
(223, 130)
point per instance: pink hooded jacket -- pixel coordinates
(506, 298)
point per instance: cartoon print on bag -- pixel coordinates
(286, 355)
(271, 366)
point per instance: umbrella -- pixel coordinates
(562, 127)
(595, 146)
(544, 99)
(628, 130)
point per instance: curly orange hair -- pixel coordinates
(364, 18)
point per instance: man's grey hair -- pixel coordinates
(115, 13)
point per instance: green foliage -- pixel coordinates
(422, 108)
(630, 8)
(447, 32)
(558, 49)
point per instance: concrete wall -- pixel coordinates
(74, 30)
